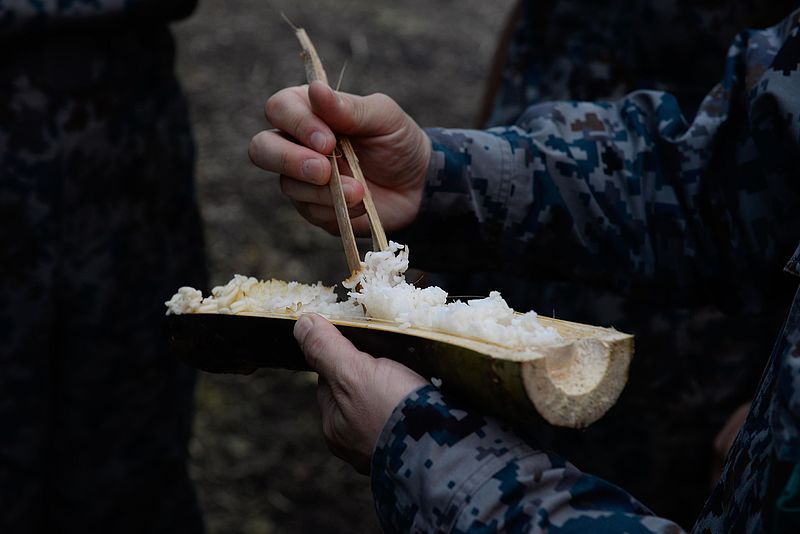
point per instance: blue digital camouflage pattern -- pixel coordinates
(579, 50)
(441, 469)
(437, 468)
(766, 449)
(98, 225)
(784, 414)
(631, 196)
(701, 347)
(26, 17)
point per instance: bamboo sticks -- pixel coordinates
(315, 71)
(379, 241)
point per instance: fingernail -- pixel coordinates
(347, 188)
(312, 170)
(301, 328)
(318, 141)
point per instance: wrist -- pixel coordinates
(395, 416)
(419, 177)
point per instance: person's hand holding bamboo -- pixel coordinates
(356, 393)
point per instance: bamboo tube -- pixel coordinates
(569, 384)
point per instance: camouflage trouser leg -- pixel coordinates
(98, 226)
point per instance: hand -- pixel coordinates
(392, 150)
(356, 392)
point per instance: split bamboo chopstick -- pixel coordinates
(379, 241)
(315, 71)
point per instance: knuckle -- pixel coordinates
(297, 125)
(314, 344)
(254, 148)
(272, 106)
(285, 163)
(279, 106)
(358, 111)
(382, 102)
(357, 375)
(382, 99)
(388, 106)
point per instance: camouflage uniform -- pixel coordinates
(700, 347)
(630, 196)
(98, 225)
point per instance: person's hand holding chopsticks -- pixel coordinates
(393, 151)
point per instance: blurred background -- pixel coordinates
(258, 457)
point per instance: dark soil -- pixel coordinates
(258, 456)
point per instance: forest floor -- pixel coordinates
(258, 456)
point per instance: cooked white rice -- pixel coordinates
(379, 291)
(247, 294)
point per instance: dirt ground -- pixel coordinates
(259, 460)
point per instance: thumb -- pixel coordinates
(348, 114)
(326, 350)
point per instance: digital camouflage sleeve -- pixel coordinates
(630, 195)
(627, 194)
(437, 468)
(27, 17)
(441, 469)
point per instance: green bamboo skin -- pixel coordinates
(570, 384)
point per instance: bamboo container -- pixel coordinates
(570, 384)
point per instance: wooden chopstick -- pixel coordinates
(343, 219)
(379, 241)
(315, 71)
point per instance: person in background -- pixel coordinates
(624, 194)
(98, 225)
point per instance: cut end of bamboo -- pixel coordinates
(578, 383)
